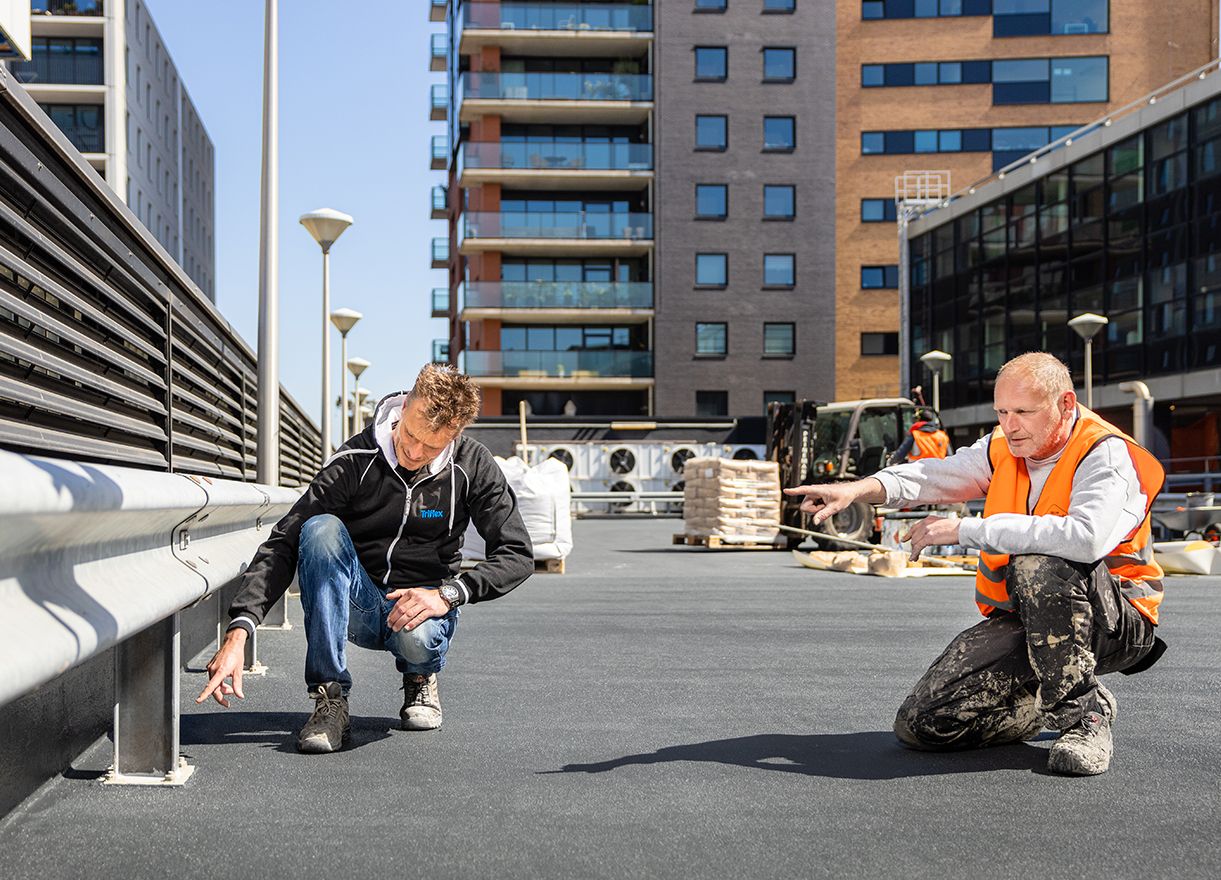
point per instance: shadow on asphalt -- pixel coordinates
(867, 755)
(276, 730)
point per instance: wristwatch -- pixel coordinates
(450, 594)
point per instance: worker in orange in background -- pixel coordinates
(926, 440)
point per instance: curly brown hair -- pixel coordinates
(450, 399)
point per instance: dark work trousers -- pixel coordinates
(1015, 673)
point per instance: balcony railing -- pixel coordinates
(440, 250)
(440, 151)
(67, 7)
(66, 67)
(558, 156)
(440, 199)
(440, 300)
(557, 86)
(439, 97)
(558, 16)
(556, 224)
(557, 295)
(439, 47)
(580, 364)
(440, 351)
(436, 10)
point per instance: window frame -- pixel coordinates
(792, 282)
(724, 75)
(724, 133)
(792, 147)
(792, 76)
(712, 355)
(885, 337)
(724, 283)
(781, 218)
(792, 341)
(724, 188)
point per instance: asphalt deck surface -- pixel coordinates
(659, 711)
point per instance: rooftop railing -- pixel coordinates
(556, 224)
(557, 295)
(557, 86)
(558, 16)
(557, 156)
(579, 364)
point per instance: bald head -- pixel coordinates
(1039, 371)
(1035, 405)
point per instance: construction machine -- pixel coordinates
(817, 442)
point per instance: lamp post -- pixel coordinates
(344, 320)
(1087, 326)
(326, 225)
(268, 419)
(359, 409)
(357, 366)
(936, 360)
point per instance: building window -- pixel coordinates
(779, 270)
(779, 133)
(875, 9)
(880, 277)
(711, 132)
(710, 5)
(712, 403)
(711, 339)
(1006, 144)
(1024, 18)
(779, 202)
(779, 5)
(925, 73)
(779, 340)
(82, 125)
(873, 344)
(878, 211)
(1014, 80)
(711, 201)
(770, 397)
(711, 270)
(711, 63)
(779, 65)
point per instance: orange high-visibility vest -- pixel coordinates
(928, 444)
(1132, 561)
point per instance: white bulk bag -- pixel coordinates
(544, 503)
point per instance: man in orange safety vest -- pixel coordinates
(1066, 581)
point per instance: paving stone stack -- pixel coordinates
(731, 499)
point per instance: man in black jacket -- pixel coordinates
(375, 542)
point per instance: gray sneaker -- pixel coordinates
(329, 726)
(421, 703)
(1085, 748)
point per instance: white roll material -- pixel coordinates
(543, 499)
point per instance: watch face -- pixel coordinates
(449, 594)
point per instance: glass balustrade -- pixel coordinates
(440, 250)
(67, 7)
(439, 46)
(557, 156)
(556, 224)
(440, 198)
(581, 363)
(557, 295)
(440, 351)
(440, 299)
(440, 96)
(557, 86)
(558, 16)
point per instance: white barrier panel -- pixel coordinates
(91, 555)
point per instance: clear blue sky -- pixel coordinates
(354, 136)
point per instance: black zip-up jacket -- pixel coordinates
(407, 530)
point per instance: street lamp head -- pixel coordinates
(1088, 324)
(345, 319)
(326, 225)
(361, 394)
(936, 360)
(357, 366)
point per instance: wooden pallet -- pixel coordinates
(717, 542)
(549, 566)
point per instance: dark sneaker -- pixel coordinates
(1085, 748)
(329, 726)
(421, 703)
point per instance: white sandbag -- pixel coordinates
(543, 499)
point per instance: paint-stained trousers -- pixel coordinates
(1016, 673)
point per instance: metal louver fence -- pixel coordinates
(108, 351)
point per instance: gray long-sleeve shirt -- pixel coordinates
(1105, 505)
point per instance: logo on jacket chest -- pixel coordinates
(431, 514)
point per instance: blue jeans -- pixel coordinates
(342, 604)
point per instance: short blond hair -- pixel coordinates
(449, 399)
(1046, 372)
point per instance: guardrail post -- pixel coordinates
(146, 708)
(277, 616)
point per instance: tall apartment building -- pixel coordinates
(102, 72)
(968, 87)
(637, 207)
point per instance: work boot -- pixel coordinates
(1085, 748)
(329, 726)
(421, 702)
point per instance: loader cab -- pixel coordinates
(854, 438)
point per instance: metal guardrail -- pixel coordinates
(98, 556)
(108, 351)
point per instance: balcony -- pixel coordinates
(558, 232)
(440, 302)
(557, 164)
(58, 61)
(588, 368)
(438, 52)
(438, 102)
(588, 29)
(557, 300)
(440, 203)
(440, 152)
(67, 7)
(437, 9)
(440, 253)
(623, 98)
(81, 123)
(440, 351)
